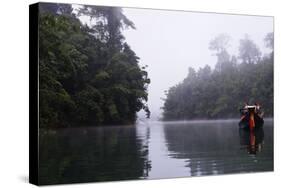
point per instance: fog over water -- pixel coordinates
(171, 41)
(102, 143)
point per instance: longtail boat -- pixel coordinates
(251, 117)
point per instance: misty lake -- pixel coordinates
(153, 149)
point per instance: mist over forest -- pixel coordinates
(172, 42)
(94, 72)
(222, 91)
(131, 93)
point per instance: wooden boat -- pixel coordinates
(251, 118)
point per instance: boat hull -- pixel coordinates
(245, 122)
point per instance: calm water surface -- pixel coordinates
(153, 149)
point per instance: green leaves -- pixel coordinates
(89, 106)
(219, 93)
(85, 77)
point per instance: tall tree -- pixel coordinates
(219, 45)
(110, 20)
(249, 51)
(56, 8)
(269, 41)
(219, 93)
(88, 74)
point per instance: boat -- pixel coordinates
(251, 117)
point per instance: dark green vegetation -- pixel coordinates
(88, 73)
(219, 93)
(90, 154)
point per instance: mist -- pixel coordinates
(170, 42)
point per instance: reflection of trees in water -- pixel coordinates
(92, 154)
(144, 149)
(212, 149)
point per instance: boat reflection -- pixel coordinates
(252, 140)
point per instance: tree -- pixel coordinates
(88, 75)
(56, 8)
(269, 41)
(219, 45)
(110, 21)
(212, 94)
(248, 51)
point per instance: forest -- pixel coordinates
(220, 92)
(88, 74)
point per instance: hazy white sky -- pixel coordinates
(171, 41)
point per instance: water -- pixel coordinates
(153, 150)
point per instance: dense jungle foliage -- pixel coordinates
(221, 92)
(88, 74)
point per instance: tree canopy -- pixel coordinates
(88, 75)
(219, 93)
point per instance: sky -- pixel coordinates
(170, 42)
